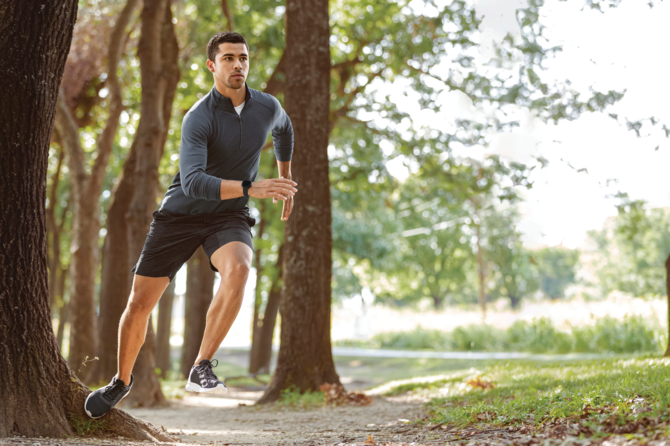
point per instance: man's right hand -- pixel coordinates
(279, 188)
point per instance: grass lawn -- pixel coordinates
(598, 396)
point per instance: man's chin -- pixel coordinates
(235, 84)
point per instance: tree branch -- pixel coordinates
(106, 140)
(229, 16)
(69, 135)
(342, 111)
(274, 85)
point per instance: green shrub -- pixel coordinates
(632, 334)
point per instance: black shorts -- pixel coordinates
(173, 238)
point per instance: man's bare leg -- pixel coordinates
(144, 296)
(233, 260)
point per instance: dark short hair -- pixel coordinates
(219, 38)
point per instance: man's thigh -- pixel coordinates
(230, 248)
(233, 255)
(171, 241)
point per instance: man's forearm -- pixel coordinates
(284, 169)
(231, 189)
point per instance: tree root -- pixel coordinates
(115, 423)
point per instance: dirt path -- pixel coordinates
(234, 419)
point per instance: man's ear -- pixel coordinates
(210, 65)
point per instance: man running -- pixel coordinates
(206, 204)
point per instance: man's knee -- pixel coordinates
(145, 294)
(235, 269)
(139, 305)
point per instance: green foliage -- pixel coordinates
(632, 334)
(291, 397)
(173, 389)
(533, 393)
(84, 426)
(557, 269)
(632, 249)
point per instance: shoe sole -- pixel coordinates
(218, 390)
(95, 418)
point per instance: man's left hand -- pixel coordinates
(288, 207)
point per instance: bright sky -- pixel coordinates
(624, 43)
(616, 50)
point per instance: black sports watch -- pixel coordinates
(246, 184)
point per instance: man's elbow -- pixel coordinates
(188, 186)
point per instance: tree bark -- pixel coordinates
(86, 190)
(261, 342)
(164, 330)
(667, 290)
(199, 294)
(305, 359)
(39, 395)
(157, 47)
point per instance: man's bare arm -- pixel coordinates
(277, 188)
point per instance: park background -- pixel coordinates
(496, 174)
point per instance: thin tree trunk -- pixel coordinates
(164, 330)
(54, 233)
(39, 395)
(86, 192)
(63, 314)
(257, 323)
(667, 290)
(116, 276)
(116, 265)
(199, 294)
(261, 344)
(157, 47)
(305, 359)
(225, 7)
(480, 262)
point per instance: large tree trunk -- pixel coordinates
(39, 396)
(199, 294)
(30, 361)
(86, 192)
(264, 327)
(164, 330)
(667, 290)
(157, 47)
(305, 359)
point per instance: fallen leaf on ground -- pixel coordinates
(369, 440)
(479, 383)
(336, 394)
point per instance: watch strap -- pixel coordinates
(246, 184)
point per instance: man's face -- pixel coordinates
(231, 65)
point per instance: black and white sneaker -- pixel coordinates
(105, 398)
(203, 380)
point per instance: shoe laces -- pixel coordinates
(207, 368)
(113, 390)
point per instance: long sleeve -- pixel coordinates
(193, 160)
(282, 134)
